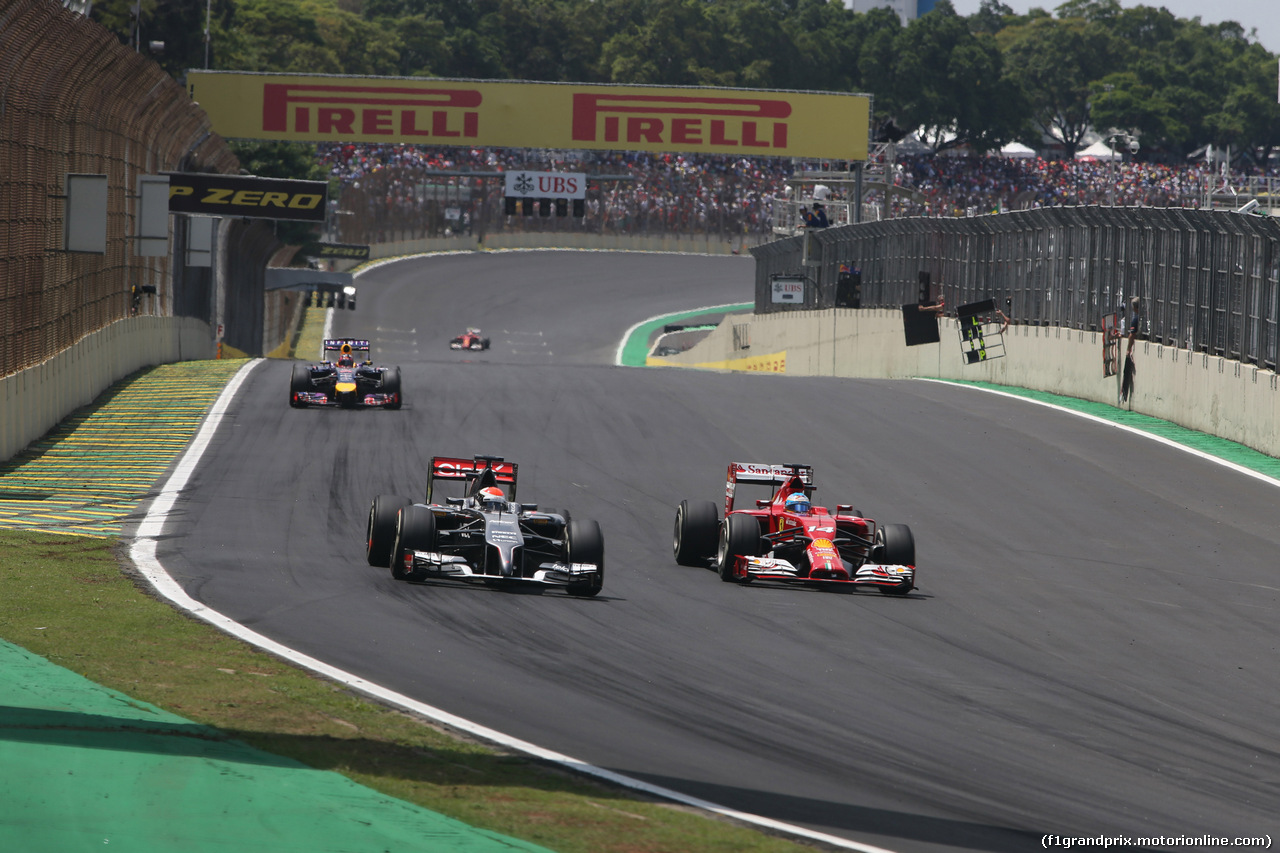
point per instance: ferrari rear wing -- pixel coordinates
(769, 474)
(495, 468)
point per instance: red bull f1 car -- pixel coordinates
(785, 538)
(483, 535)
(346, 378)
(471, 339)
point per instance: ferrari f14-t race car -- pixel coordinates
(483, 535)
(471, 339)
(785, 538)
(346, 377)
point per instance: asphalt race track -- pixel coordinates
(1092, 649)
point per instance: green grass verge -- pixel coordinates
(76, 601)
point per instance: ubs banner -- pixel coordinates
(323, 108)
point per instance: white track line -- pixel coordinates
(1208, 457)
(143, 553)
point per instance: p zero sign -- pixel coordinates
(255, 198)
(322, 108)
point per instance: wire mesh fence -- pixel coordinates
(73, 100)
(1208, 281)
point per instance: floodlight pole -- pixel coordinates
(1131, 141)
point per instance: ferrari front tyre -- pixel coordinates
(897, 547)
(300, 381)
(586, 545)
(391, 385)
(697, 533)
(380, 534)
(739, 537)
(415, 531)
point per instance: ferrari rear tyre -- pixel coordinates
(697, 533)
(391, 385)
(380, 534)
(897, 547)
(298, 382)
(415, 531)
(739, 537)
(586, 545)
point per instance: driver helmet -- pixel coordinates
(491, 497)
(345, 358)
(798, 502)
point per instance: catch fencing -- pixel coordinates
(1209, 281)
(399, 204)
(74, 100)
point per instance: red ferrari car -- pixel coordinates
(785, 538)
(471, 339)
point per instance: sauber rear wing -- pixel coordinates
(774, 475)
(453, 468)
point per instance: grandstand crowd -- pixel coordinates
(406, 191)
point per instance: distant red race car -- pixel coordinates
(471, 339)
(785, 538)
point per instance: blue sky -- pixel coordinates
(1263, 15)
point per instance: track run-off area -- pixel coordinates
(1090, 651)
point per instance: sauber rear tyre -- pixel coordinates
(415, 531)
(697, 533)
(391, 385)
(739, 537)
(380, 534)
(897, 547)
(586, 545)
(299, 381)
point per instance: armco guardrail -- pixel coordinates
(1208, 280)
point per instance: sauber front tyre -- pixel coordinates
(381, 532)
(415, 531)
(586, 545)
(697, 533)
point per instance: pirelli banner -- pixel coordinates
(321, 108)
(240, 195)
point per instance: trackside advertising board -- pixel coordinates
(247, 196)
(330, 108)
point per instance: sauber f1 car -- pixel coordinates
(484, 535)
(346, 377)
(471, 339)
(785, 538)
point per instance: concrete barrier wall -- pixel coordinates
(1207, 393)
(703, 244)
(34, 400)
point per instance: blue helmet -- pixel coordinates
(798, 502)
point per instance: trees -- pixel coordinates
(980, 80)
(1056, 63)
(950, 82)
